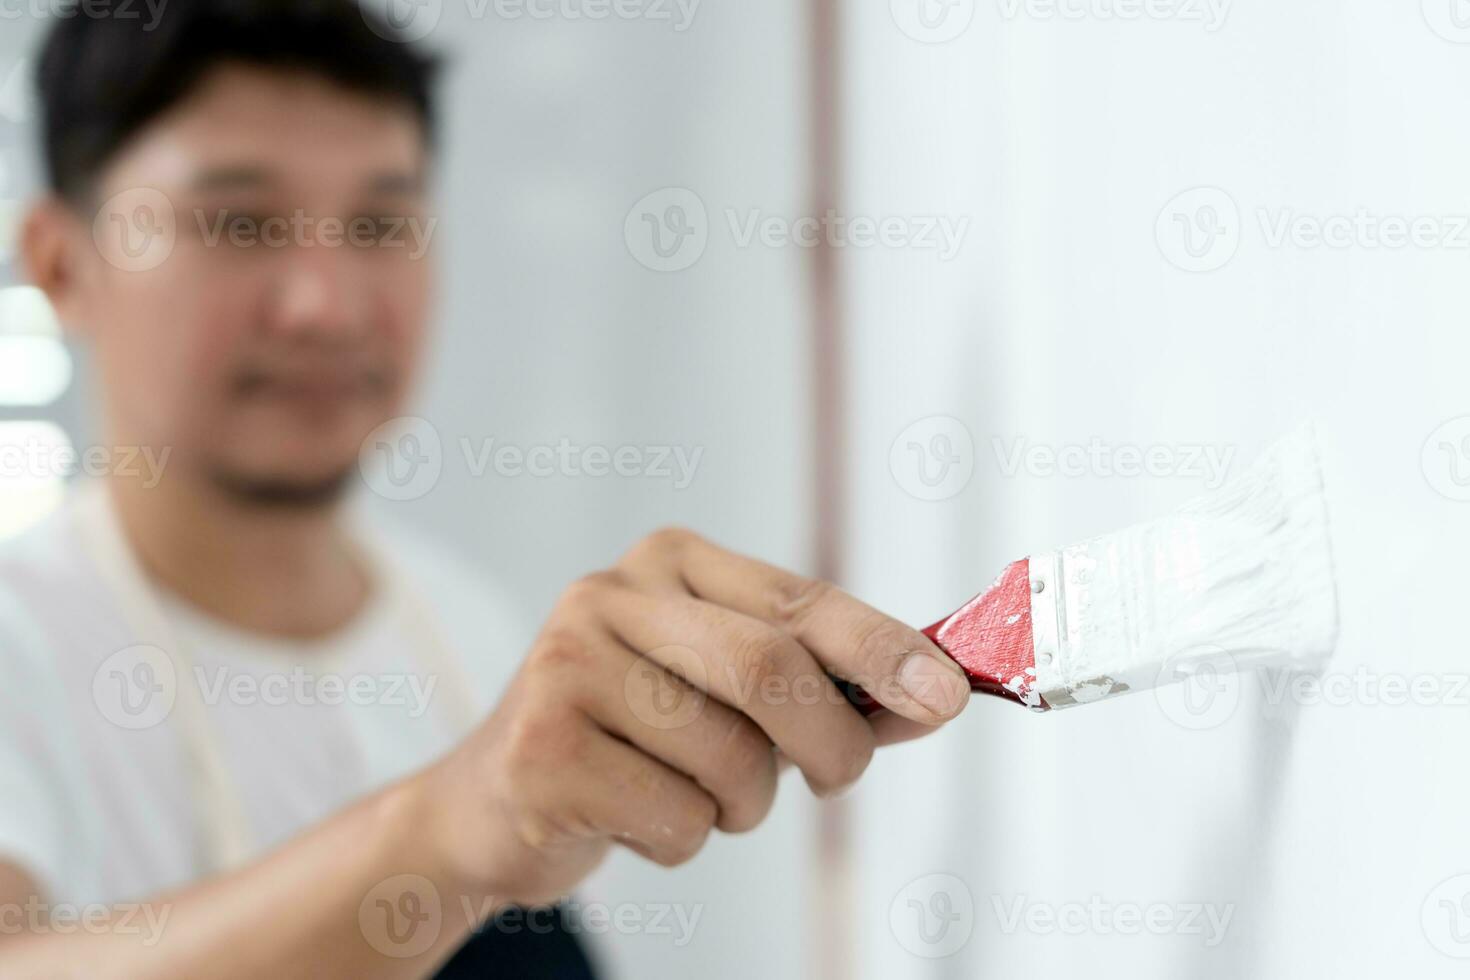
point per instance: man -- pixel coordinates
(140, 629)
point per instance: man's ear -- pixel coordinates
(54, 249)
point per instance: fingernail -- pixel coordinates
(937, 686)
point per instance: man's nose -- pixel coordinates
(319, 292)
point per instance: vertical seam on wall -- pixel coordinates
(831, 938)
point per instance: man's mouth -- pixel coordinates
(312, 386)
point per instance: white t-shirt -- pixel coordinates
(97, 797)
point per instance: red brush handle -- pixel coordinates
(989, 637)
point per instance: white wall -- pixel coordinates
(1327, 828)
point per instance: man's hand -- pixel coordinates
(654, 707)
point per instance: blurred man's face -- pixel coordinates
(286, 322)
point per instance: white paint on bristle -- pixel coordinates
(1239, 578)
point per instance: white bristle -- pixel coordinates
(1241, 577)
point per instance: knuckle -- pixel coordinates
(672, 538)
(539, 832)
(762, 656)
(794, 598)
(664, 543)
(880, 642)
(535, 741)
(560, 649)
(591, 589)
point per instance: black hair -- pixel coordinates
(100, 79)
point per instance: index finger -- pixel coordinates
(899, 666)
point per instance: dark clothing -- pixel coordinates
(522, 944)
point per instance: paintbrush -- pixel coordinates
(1238, 578)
